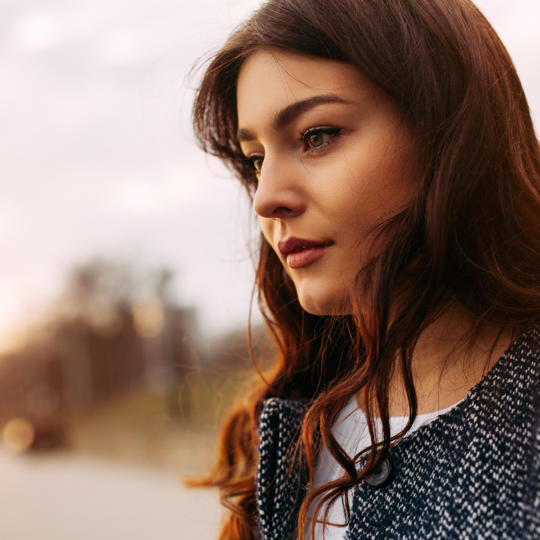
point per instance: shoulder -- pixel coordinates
(279, 423)
(281, 412)
(502, 411)
(280, 475)
(526, 347)
(472, 469)
(513, 383)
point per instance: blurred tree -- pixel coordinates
(110, 330)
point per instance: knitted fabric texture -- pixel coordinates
(471, 473)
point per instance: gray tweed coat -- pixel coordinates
(471, 473)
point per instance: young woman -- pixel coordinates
(389, 153)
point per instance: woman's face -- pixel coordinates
(333, 159)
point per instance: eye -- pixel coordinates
(318, 137)
(255, 161)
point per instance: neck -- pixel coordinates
(451, 356)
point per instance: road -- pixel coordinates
(65, 497)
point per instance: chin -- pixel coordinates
(322, 305)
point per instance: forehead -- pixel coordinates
(271, 79)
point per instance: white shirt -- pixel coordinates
(351, 432)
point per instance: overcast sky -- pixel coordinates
(97, 155)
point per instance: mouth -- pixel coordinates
(299, 252)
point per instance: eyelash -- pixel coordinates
(333, 132)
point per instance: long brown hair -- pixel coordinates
(471, 235)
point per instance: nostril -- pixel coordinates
(281, 211)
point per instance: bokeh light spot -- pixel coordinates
(18, 435)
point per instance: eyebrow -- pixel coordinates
(290, 112)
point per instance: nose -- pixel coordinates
(279, 193)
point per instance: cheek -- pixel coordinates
(381, 185)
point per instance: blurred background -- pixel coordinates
(126, 272)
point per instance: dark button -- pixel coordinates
(381, 475)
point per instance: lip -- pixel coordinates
(301, 252)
